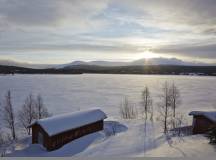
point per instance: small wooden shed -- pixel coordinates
(55, 131)
(202, 121)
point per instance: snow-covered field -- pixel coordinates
(130, 140)
(66, 93)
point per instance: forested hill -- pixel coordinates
(152, 69)
(22, 70)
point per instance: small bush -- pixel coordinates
(212, 135)
(127, 110)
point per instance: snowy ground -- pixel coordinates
(129, 140)
(66, 93)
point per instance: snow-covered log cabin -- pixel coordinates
(202, 121)
(55, 131)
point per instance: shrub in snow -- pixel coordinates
(128, 110)
(1, 139)
(5, 139)
(212, 135)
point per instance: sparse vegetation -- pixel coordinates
(175, 102)
(127, 109)
(27, 114)
(212, 135)
(147, 104)
(40, 109)
(164, 107)
(9, 115)
(32, 109)
(167, 107)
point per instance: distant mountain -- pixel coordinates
(140, 62)
(94, 63)
(25, 64)
(75, 64)
(167, 61)
(133, 69)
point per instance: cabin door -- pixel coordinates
(40, 138)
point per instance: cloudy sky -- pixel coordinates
(61, 31)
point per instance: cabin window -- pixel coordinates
(40, 138)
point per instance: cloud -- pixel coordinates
(168, 27)
(196, 50)
(51, 13)
(72, 47)
(192, 12)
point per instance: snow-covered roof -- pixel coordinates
(64, 122)
(210, 114)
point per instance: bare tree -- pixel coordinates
(164, 107)
(175, 101)
(8, 114)
(1, 136)
(128, 110)
(27, 114)
(2, 144)
(5, 140)
(40, 109)
(146, 103)
(180, 120)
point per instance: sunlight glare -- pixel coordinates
(146, 55)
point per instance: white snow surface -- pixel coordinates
(210, 114)
(131, 139)
(69, 93)
(64, 122)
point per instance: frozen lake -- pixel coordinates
(65, 93)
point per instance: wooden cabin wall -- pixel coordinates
(35, 131)
(201, 124)
(59, 140)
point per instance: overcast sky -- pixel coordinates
(61, 31)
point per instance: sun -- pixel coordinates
(146, 55)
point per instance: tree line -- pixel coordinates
(169, 102)
(32, 109)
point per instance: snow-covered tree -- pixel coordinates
(40, 108)
(164, 107)
(27, 114)
(147, 107)
(9, 115)
(2, 143)
(1, 136)
(175, 102)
